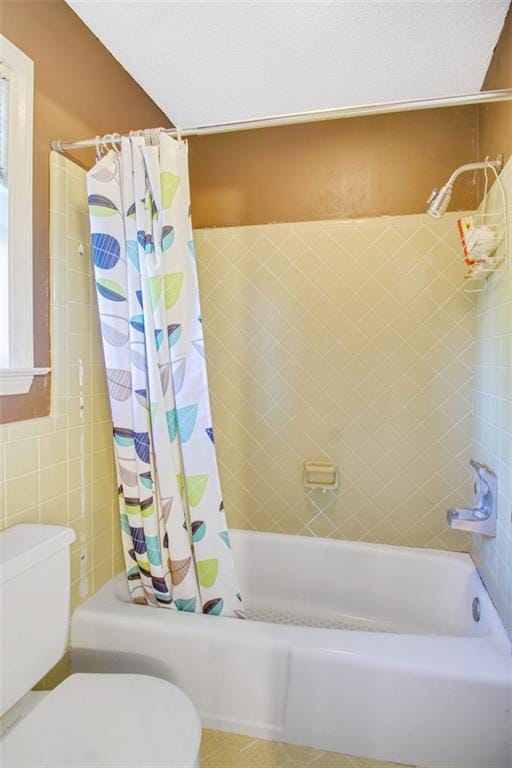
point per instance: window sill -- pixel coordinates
(17, 381)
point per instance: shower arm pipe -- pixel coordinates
(315, 115)
(496, 164)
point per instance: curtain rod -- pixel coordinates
(315, 115)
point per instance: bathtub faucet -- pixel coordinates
(481, 518)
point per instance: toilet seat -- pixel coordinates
(112, 721)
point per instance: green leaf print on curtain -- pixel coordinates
(148, 301)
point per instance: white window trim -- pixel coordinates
(17, 378)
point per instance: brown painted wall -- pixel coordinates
(495, 120)
(80, 91)
(350, 168)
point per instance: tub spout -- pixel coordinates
(481, 517)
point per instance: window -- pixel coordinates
(16, 289)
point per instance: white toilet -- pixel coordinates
(89, 720)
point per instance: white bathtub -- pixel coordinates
(376, 654)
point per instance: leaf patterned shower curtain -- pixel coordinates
(175, 538)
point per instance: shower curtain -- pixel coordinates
(175, 537)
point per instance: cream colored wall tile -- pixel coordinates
(53, 481)
(30, 515)
(493, 418)
(21, 493)
(79, 502)
(59, 327)
(102, 548)
(78, 255)
(21, 457)
(118, 558)
(55, 511)
(77, 190)
(79, 473)
(58, 190)
(79, 441)
(101, 574)
(53, 449)
(79, 287)
(77, 223)
(338, 358)
(102, 518)
(82, 527)
(30, 429)
(100, 409)
(57, 238)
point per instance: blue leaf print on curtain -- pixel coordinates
(186, 421)
(186, 605)
(106, 250)
(172, 424)
(214, 607)
(123, 437)
(174, 333)
(181, 420)
(137, 322)
(159, 335)
(132, 249)
(198, 530)
(142, 446)
(167, 237)
(146, 480)
(153, 549)
(146, 241)
(139, 540)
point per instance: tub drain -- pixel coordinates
(475, 608)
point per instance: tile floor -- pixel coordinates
(231, 750)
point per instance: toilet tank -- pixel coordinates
(34, 605)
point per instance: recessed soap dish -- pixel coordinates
(321, 474)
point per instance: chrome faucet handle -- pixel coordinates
(483, 470)
(481, 517)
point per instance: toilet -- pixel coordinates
(89, 720)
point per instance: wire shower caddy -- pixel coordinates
(490, 252)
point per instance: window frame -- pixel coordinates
(17, 372)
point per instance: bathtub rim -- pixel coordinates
(461, 648)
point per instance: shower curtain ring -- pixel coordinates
(97, 144)
(178, 133)
(116, 142)
(105, 141)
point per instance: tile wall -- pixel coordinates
(348, 340)
(59, 470)
(493, 414)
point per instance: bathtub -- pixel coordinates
(358, 648)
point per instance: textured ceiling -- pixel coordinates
(208, 62)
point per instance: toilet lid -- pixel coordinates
(119, 721)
